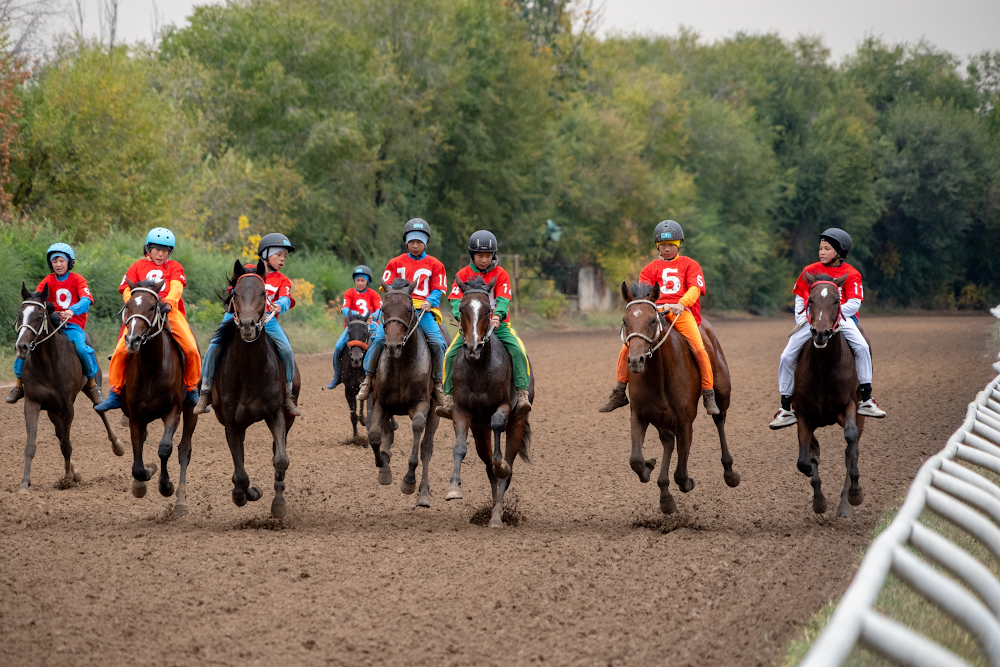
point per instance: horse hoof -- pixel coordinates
(408, 487)
(77, 477)
(501, 469)
(278, 509)
(819, 505)
(150, 471)
(239, 498)
(167, 490)
(23, 490)
(180, 510)
(668, 505)
(856, 498)
(118, 448)
(385, 476)
(423, 501)
(454, 494)
(253, 494)
(805, 467)
(844, 511)
(138, 488)
(496, 523)
(686, 486)
(732, 478)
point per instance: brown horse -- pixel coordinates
(154, 389)
(483, 379)
(664, 387)
(249, 384)
(403, 385)
(352, 371)
(52, 377)
(826, 391)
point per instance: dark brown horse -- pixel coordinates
(52, 377)
(352, 371)
(826, 392)
(154, 389)
(249, 384)
(483, 380)
(664, 388)
(402, 385)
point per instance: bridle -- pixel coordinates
(409, 326)
(836, 327)
(656, 337)
(489, 332)
(268, 314)
(157, 323)
(42, 328)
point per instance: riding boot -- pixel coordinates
(523, 405)
(204, 399)
(438, 394)
(290, 406)
(365, 389)
(93, 391)
(617, 398)
(708, 397)
(446, 408)
(16, 392)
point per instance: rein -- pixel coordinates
(158, 321)
(659, 329)
(42, 328)
(259, 325)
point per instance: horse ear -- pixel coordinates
(158, 285)
(839, 282)
(626, 294)
(25, 294)
(261, 268)
(408, 288)
(810, 278)
(461, 284)
(237, 272)
(44, 295)
(131, 285)
(384, 285)
(491, 284)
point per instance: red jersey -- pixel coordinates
(674, 278)
(427, 274)
(501, 289)
(366, 302)
(852, 289)
(146, 269)
(65, 293)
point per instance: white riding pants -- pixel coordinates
(790, 357)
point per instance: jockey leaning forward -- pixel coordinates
(359, 301)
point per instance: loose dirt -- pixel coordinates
(356, 575)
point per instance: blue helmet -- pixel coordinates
(61, 249)
(162, 237)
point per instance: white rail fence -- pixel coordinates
(955, 493)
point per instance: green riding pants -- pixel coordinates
(510, 340)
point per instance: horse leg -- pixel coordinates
(667, 503)
(642, 467)
(426, 451)
(461, 423)
(809, 448)
(376, 417)
(352, 403)
(116, 445)
(498, 424)
(388, 437)
(31, 412)
(279, 447)
(242, 491)
(418, 420)
(732, 477)
(140, 473)
(851, 493)
(499, 489)
(170, 424)
(62, 421)
(684, 437)
(184, 458)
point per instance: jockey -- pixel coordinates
(359, 301)
(681, 284)
(273, 249)
(834, 246)
(71, 298)
(427, 275)
(157, 266)
(483, 249)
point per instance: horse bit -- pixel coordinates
(659, 329)
(42, 328)
(157, 323)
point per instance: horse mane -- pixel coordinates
(641, 290)
(476, 282)
(399, 284)
(357, 319)
(227, 333)
(823, 276)
(148, 284)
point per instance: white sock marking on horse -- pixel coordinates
(476, 305)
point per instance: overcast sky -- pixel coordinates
(963, 27)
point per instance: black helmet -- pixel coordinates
(416, 227)
(668, 230)
(482, 241)
(362, 270)
(839, 239)
(274, 240)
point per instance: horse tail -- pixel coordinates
(525, 451)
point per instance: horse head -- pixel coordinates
(357, 339)
(399, 317)
(474, 311)
(142, 315)
(32, 318)
(641, 325)
(248, 299)
(823, 307)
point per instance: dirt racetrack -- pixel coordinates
(356, 575)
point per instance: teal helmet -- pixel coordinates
(162, 237)
(63, 249)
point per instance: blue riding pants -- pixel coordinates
(273, 331)
(84, 351)
(338, 349)
(434, 339)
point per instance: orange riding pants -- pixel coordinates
(184, 337)
(687, 327)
